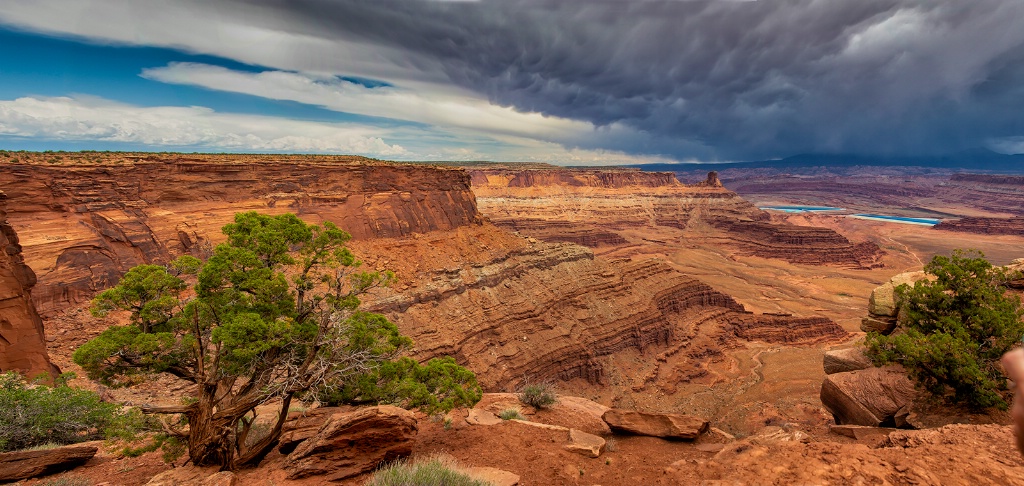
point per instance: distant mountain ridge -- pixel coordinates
(977, 160)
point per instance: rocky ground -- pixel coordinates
(776, 455)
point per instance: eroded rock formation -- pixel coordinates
(597, 208)
(799, 244)
(87, 225)
(984, 226)
(533, 311)
(22, 340)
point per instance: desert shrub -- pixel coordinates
(36, 415)
(436, 471)
(538, 395)
(511, 414)
(954, 329)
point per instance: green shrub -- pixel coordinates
(954, 329)
(437, 471)
(36, 415)
(511, 414)
(538, 395)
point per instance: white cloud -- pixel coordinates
(464, 113)
(95, 119)
(67, 119)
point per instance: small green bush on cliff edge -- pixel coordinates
(954, 330)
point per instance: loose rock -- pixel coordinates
(353, 443)
(671, 426)
(869, 397)
(30, 464)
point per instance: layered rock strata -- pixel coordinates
(598, 208)
(984, 226)
(548, 203)
(507, 320)
(22, 340)
(799, 244)
(84, 226)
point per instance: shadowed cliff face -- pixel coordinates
(22, 341)
(84, 226)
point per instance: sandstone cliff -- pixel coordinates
(591, 207)
(598, 208)
(984, 226)
(22, 340)
(84, 226)
(515, 310)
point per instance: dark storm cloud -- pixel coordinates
(742, 79)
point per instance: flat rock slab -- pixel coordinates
(482, 417)
(586, 444)
(30, 464)
(665, 425)
(841, 360)
(879, 324)
(494, 476)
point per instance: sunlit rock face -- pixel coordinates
(22, 340)
(84, 226)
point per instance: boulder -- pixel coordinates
(302, 427)
(666, 425)
(841, 360)
(586, 444)
(353, 443)
(879, 324)
(882, 301)
(19, 465)
(870, 397)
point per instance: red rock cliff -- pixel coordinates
(84, 226)
(22, 341)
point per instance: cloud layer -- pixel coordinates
(687, 79)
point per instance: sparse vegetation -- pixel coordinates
(954, 329)
(273, 315)
(435, 471)
(43, 416)
(538, 395)
(511, 414)
(67, 481)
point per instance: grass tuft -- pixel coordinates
(511, 414)
(434, 471)
(538, 395)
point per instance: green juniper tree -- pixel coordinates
(272, 315)
(954, 328)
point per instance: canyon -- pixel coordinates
(628, 288)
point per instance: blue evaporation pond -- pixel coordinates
(799, 209)
(899, 219)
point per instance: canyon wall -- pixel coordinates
(984, 226)
(516, 310)
(84, 226)
(614, 207)
(593, 207)
(22, 340)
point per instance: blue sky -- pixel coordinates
(569, 82)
